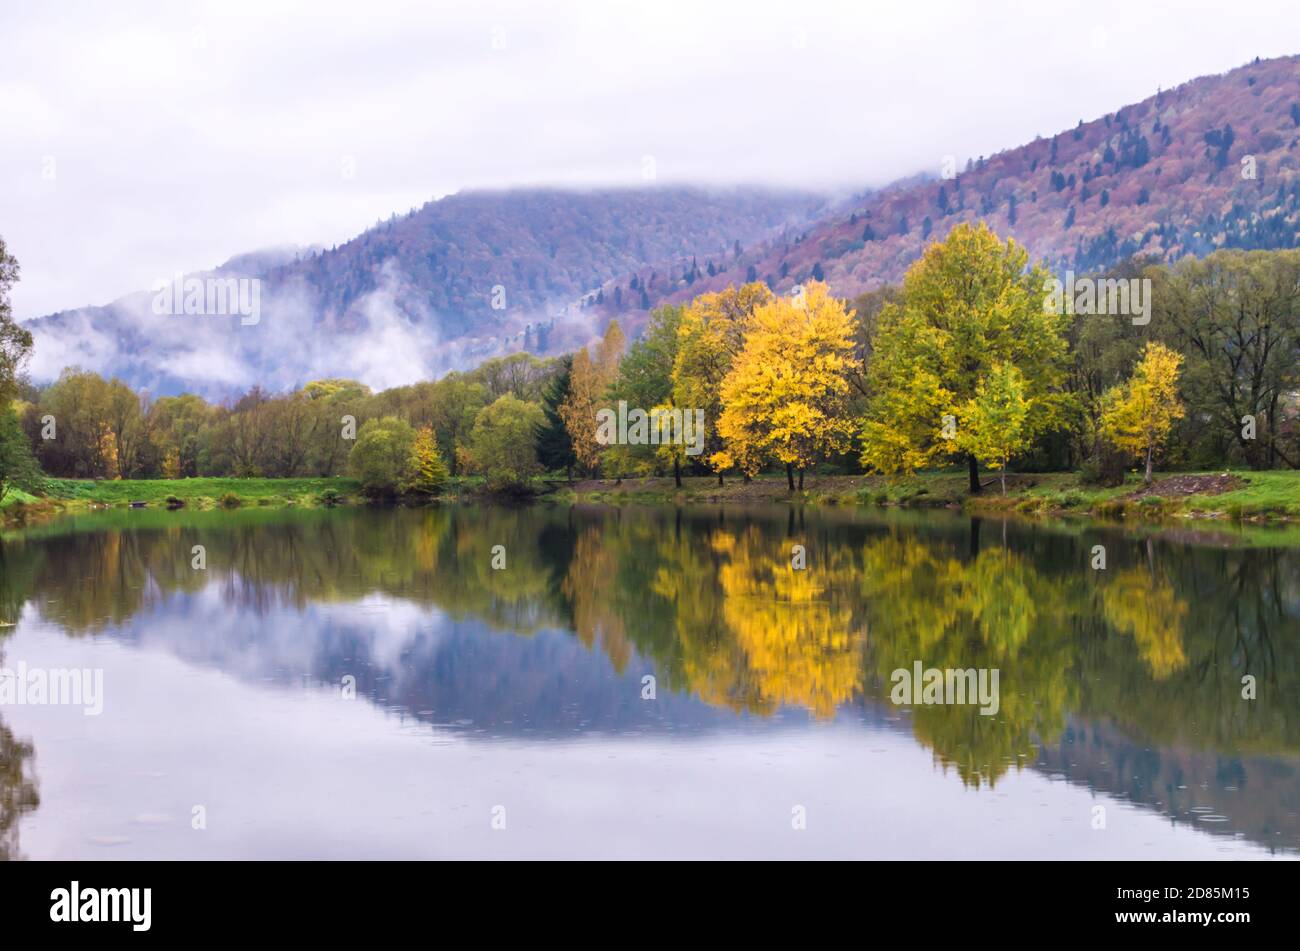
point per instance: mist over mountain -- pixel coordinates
(1207, 165)
(1210, 164)
(442, 287)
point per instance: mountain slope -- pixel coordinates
(1163, 177)
(414, 296)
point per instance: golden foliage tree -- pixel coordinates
(710, 336)
(786, 394)
(588, 382)
(1137, 416)
(429, 471)
(579, 410)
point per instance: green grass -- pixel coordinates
(1266, 496)
(201, 492)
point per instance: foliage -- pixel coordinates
(992, 423)
(18, 468)
(785, 393)
(1138, 416)
(502, 443)
(429, 472)
(969, 304)
(554, 445)
(382, 457)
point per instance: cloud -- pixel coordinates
(184, 133)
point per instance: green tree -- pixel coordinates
(971, 302)
(645, 381)
(502, 444)
(554, 447)
(15, 342)
(992, 425)
(382, 456)
(18, 468)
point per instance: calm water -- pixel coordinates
(517, 697)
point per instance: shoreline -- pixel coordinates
(1249, 497)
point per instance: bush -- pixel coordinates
(330, 498)
(231, 501)
(1105, 469)
(174, 503)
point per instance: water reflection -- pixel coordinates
(1127, 679)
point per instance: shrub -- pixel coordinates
(231, 501)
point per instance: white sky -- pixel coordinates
(178, 134)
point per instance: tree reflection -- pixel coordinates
(711, 601)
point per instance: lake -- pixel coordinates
(551, 682)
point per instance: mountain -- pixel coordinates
(445, 286)
(1167, 177)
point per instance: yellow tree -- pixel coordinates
(992, 425)
(429, 471)
(709, 337)
(786, 394)
(1138, 416)
(579, 410)
(589, 380)
(609, 353)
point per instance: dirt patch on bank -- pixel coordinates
(1182, 485)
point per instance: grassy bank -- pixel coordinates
(1263, 496)
(80, 495)
(1252, 496)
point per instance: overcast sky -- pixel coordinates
(141, 139)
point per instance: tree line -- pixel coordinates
(960, 364)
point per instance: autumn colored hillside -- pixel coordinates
(1210, 164)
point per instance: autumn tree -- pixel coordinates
(589, 382)
(579, 411)
(992, 423)
(786, 393)
(1138, 416)
(969, 303)
(710, 335)
(428, 470)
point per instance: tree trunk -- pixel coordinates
(677, 472)
(1004, 480)
(789, 475)
(973, 468)
(1150, 453)
(720, 479)
(800, 480)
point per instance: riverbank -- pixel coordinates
(1248, 496)
(1255, 496)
